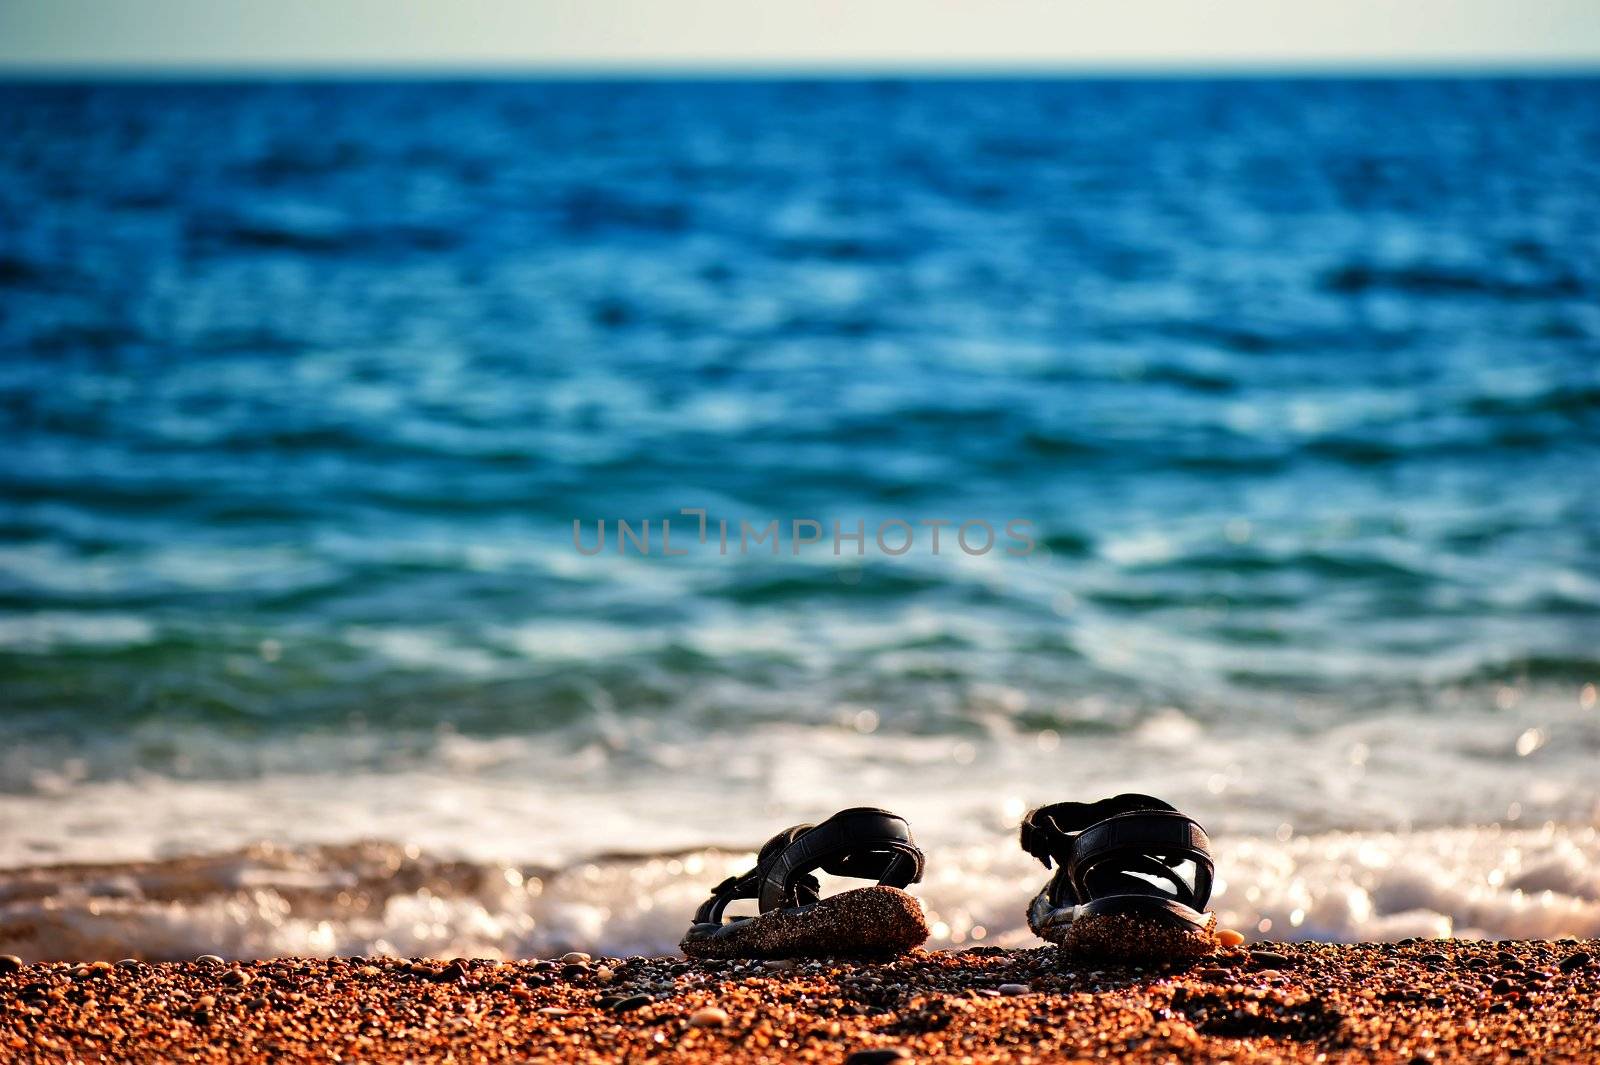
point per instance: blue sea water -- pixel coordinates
(303, 386)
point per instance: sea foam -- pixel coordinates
(389, 898)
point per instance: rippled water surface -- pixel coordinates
(302, 387)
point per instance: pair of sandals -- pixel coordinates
(1133, 877)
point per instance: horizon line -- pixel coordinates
(359, 70)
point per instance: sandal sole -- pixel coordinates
(1126, 928)
(864, 922)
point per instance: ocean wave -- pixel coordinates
(384, 898)
(1437, 280)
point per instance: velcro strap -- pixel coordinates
(734, 887)
(1049, 832)
(1037, 840)
(861, 843)
(1150, 830)
(1149, 844)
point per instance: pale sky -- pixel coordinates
(463, 35)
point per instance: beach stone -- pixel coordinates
(878, 1056)
(1014, 989)
(132, 964)
(450, 973)
(10, 963)
(1571, 963)
(631, 1003)
(210, 959)
(236, 978)
(1268, 959)
(779, 965)
(708, 1017)
(1230, 938)
(575, 956)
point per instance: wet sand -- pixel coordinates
(1413, 1001)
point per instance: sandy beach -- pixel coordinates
(1419, 1000)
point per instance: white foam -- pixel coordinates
(1381, 827)
(391, 899)
(615, 781)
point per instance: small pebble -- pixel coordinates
(708, 1017)
(1014, 989)
(554, 1011)
(878, 1056)
(450, 974)
(10, 963)
(236, 978)
(779, 965)
(210, 959)
(1568, 964)
(1229, 938)
(631, 1003)
(1268, 959)
(575, 956)
(133, 964)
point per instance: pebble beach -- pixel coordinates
(1414, 1001)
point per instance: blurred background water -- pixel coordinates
(302, 386)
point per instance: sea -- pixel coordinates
(1279, 400)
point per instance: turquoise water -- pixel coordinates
(1296, 385)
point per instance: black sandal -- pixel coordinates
(865, 844)
(1133, 880)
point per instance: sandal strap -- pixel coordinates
(863, 843)
(1127, 843)
(867, 844)
(1138, 849)
(1049, 832)
(747, 885)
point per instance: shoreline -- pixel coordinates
(1411, 1001)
